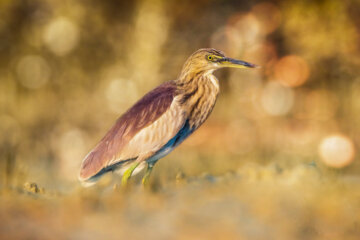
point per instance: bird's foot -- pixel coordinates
(145, 180)
(128, 173)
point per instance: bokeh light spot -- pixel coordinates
(228, 39)
(33, 71)
(276, 99)
(248, 26)
(268, 15)
(61, 35)
(120, 93)
(292, 71)
(337, 151)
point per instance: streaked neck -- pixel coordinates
(198, 96)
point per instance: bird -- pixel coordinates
(160, 121)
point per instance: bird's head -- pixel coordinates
(209, 59)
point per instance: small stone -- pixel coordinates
(180, 176)
(31, 187)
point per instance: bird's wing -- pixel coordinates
(152, 138)
(135, 132)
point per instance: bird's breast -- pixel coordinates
(202, 99)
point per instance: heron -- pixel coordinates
(160, 120)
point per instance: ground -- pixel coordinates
(254, 202)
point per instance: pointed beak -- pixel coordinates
(230, 62)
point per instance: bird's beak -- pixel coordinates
(230, 62)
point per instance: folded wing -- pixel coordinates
(145, 127)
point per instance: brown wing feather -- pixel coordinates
(146, 111)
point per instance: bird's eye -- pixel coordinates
(209, 57)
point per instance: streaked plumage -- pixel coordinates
(162, 119)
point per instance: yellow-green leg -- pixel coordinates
(128, 173)
(146, 177)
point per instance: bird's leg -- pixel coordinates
(128, 173)
(146, 177)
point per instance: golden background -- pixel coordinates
(277, 159)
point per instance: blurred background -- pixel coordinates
(69, 69)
